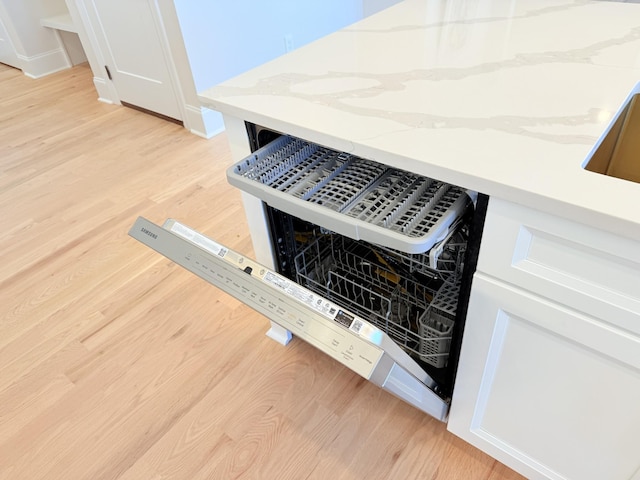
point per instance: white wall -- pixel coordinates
(369, 7)
(225, 38)
(38, 49)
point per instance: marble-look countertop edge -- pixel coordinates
(591, 210)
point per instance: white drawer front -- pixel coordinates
(587, 269)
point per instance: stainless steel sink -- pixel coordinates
(618, 155)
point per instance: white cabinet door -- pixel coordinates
(130, 37)
(546, 390)
(7, 52)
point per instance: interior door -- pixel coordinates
(130, 38)
(344, 336)
(7, 52)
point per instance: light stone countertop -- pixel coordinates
(506, 97)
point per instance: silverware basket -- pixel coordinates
(350, 195)
(436, 326)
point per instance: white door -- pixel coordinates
(129, 35)
(7, 52)
(549, 391)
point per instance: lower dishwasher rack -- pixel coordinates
(353, 196)
(417, 312)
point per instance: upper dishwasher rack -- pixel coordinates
(359, 198)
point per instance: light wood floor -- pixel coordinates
(116, 364)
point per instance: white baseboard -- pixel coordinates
(202, 121)
(104, 95)
(38, 66)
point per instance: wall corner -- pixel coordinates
(203, 121)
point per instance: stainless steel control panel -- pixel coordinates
(347, 338)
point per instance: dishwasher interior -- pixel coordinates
(419, 298)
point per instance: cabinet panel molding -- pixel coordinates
(586, 269)
(515, 404)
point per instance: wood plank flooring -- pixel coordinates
(117, 364)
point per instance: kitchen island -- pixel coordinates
(509, 99)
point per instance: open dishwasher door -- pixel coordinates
(344, 336)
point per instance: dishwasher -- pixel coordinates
(373, 264)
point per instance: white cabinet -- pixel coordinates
(551, 390)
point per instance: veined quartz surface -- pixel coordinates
(506, 97)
